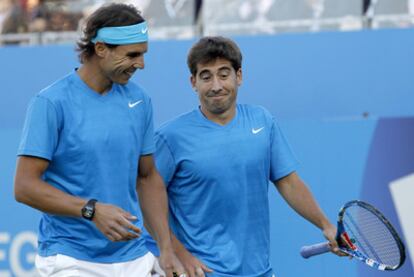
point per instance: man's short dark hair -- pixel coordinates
(112, 15)
(210, 48)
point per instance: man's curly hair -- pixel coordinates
(112, 15)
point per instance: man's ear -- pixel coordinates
(193, 82)
(239, 76)
(100, 49)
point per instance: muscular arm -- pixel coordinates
(153, 200)
(30, 189)
(300, 198)
(154, 206)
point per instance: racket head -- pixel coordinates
(365, 233)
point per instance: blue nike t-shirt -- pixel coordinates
(93, 144)
(217, 179)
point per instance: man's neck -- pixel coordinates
(221, 118)
(92, 75)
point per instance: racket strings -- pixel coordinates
(371, 236)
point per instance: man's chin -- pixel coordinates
(219, 109)
(121, 82)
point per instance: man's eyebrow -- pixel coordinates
(204, 71)
(134, 53)
(225, 67)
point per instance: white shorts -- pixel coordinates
(157, 270)
(65, 266)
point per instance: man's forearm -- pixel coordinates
(154, 206)
(46, 198)
(31, 190)
(300, 198)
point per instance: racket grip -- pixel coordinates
(315, 249)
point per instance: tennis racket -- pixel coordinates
(364, 233)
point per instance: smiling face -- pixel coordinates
(118, 64)
(217, 83)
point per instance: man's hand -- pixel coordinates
(193, 266)
(115, 223)
(171, 265)
(330, 234)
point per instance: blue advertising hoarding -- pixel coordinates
(344, 101)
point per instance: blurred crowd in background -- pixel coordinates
(21, 16)
(54, 21)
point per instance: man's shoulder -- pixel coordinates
(175, 125)
(57, 89)
(254, 110)
(135, 90)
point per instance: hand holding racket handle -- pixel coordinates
(315, 249)
(365, 234)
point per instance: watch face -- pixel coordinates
(88, 212)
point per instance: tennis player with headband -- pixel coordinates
(87, 139)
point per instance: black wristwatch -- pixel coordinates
(88, 211)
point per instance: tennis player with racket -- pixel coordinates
(217, 161)
(87, 138)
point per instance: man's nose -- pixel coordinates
(139, 62)
(216, 86)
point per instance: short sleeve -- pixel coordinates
(282, 160)
(148, 146)
(164, 159)
(40, 134)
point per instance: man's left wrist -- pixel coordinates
(166, 247)
(88, 211)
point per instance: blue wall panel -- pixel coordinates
(318, 85)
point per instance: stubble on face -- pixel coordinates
(123, 61)
(218, 102)
(216, 84)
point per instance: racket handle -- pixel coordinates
(315, 249)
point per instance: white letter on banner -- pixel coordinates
(16, 246)
(4, 239)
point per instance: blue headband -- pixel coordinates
(122, 35)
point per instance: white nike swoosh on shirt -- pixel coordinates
(144, 30)
(131, 105)
(255, 131)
